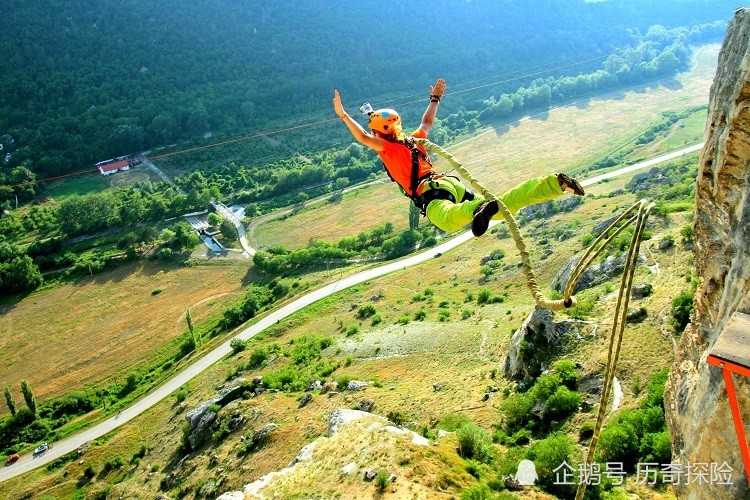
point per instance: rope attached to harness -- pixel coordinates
(618, 325)
(637, 214)
(555, 305)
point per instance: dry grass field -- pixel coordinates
(79, 334)
(564, 139)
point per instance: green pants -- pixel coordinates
(451, 217)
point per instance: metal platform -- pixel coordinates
(731, 353)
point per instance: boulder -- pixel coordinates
(305, 399)
(341, 417)
(228, 393)
(641, 290)
(666, 243)
(349, 468)
(202, 430)
(366, 405)
(305, 454)
(541, 331)
(594, 275)
(600, 227)
(262, 436)
(641, 180)
(356, 385)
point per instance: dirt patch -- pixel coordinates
(416, 337)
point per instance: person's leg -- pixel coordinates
(447, 215)
(531, 192)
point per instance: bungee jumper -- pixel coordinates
(445, 200)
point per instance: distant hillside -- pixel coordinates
(84, 80)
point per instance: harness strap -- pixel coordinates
(439, 193)
(416, 155)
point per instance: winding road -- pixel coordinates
(72, 443)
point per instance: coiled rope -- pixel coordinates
(638, 214)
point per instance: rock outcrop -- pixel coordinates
(696, 405)
(540, 334)
(354, 438)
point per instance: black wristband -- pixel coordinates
(434, 98)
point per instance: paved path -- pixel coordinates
(72, 443)
(227, 213)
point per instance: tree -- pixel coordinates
(228, 230)
(214, 219)
(19, 274)
(9, 401)
(28, 396)
(413, 216)
(191, 328)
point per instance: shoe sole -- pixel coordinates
(572, 183)
(481, 220)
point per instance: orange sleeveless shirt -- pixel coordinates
(397, 161)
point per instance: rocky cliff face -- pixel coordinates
(696, 405)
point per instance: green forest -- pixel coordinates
(84, 81)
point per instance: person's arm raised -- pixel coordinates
(436, 93)
(359, 133)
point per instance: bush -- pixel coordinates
(547, 455)
(382, 480)
(366, 311)
(618, 442)
(140, 453)
(682, 309)
(238, 345)
(655, 389)
(89, 472)
(451, 422)
(517, 408)
(656, 448)
(478, 492)
(376, 320)
(561, 404)
(181, 394)
(114, 463)
(475, 442)
(566, 369)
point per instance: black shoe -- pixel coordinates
(568, 182)
(482, 217)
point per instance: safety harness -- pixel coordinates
(434, 192)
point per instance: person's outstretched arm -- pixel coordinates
(428, 119)
(359, 133)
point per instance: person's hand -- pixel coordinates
(337, 106)
(438, 89)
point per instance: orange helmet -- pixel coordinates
(385, 121)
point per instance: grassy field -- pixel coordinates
(565, 139)
(117, 312)
(95, 182)
(79, 334)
